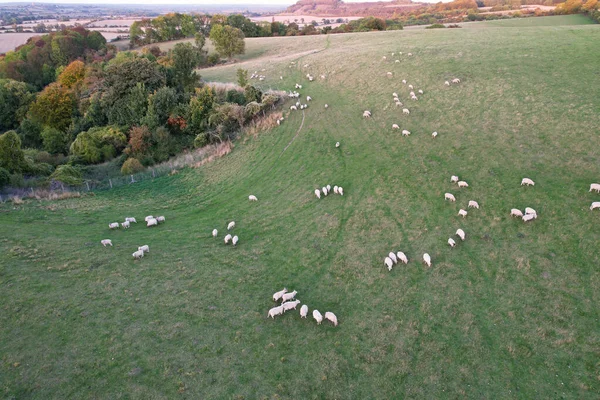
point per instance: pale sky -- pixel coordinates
(186, 2)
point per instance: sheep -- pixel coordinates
(420, 91)
(341, 191)
(394, 94)
(427, 259)
(317, 316)
(393, 257)
(461, 234)
(410, 87)
(277, 295)
(278, 122)
(434, 135)
(290, 305)
(326, 105)
(113, 225)
(462, 184)
(234, 240)
(462, 213)
(138, 254)
(529, 217)
(152, 222)
(252, 198)
(303, 311)
(473, 204)
(409, 54)
(404, 81)
(447, 83)
(318, 193)
(328, 188)
(160, 219)
(227, 238)
(390, 264)
(384, 58)
(405, 111)
(215, 232)
(529, 210)
(451, 242)
(280, 77)
(515, 212)
(308, 98)
(449, 196)
(595, 187)
(231, 225)
(367, 114)
(399, 103)
(454, 179)
(527, 181)
(130, 219)
(393, 54)
(395, 126)
(275, 311)
(455, 80)
(331, 317)
(402, 257)
(288, 296)
(324, 190)
(389, 74)
(415, 98)
(293, 108)
(405, 132)
(322, 76)
(149, 217)
(108, 241)
(595, 204)
(125, 224)
(397, 61)
(337, 144)
(335, 190)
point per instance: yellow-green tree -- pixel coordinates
(54, 106)
(227, 40)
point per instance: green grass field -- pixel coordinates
(511, 312)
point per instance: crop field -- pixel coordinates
(511, 312)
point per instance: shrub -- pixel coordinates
(435, 26)
(98, 144)
(55, 141)
(252, 94)
(4, 177)
(67, 174)
(201, 140)
(233, 96)
(11, 156)
(131, 166)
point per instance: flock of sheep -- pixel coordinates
(327, 189)
(150, 221)
(288, 304)
(234, 239)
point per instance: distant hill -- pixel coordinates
(340, 9)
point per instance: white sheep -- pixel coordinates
(290, 305)
(337, 144)
(420, 91)
(449, 196)
(234, 240)
(288, 296)
(113, 225)
(326, 105)
(404, 81)
(318, 193)
(399, 103)
(393, 257)
(275, 311)
(277, 295)
(389, 74)
(335, 190)
(252, 198)
(324, 190)
(328, 188)
(148, 218)
(317, 316)
(294, 108)
(595, 187)
(367, 114)
(473, 204)
(434, 135)
(529, 210)
(455, 80)
(405, 132)
(384, 58)
(447, 83)
(527, 181)
(411, 87)
(427, 259)
(461, 234)
(389, 263)
(341, 191)
(462, 184)
(402, 257)
(152, 222)
(108, 241)
(595, 204)
(308, 98)
(414, 98)
(395, 126)
(303, 311)
(394, 94)
(393, 54)
(515, 212)
(331, 317)
(454, 179)
(451, 242)
(405, 111)
(529, 217)
(130, 219)
(138, 254)
(231, 225)
(160, 219)
(125, 224)
(409, 54)
(145, 248)
(215, 232)
(462, 213)
(227, 238)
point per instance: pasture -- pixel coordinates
(511, 312)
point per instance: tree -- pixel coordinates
(131, 166)
(55, 141)
(242, 76)
(140, 140)
(4, 177)
(98, 144)
(95, 40)
(227, 40)
(125, 73)
(249, 28)
(128, 110)
(72, 75)
(185, 59)
(12, 157)
(590, 5)
(14, 100)
(54, 107)
(160, 106)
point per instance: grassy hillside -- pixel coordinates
(512, 312)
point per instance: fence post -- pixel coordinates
(132, 179)
(154, 176)
(110, 182)
(63, 186)
(31, 191)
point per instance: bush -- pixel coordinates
(98, 144)
(4, 177)
(233, 96)
(131, 166)
(67, 174)
(435, 26)
(55, 141)
(252, 94)
(213, 59)
(201, 140)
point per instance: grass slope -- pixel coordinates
(510, 313)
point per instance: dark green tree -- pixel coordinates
(12, 157)
(227, 40)
(185, 59)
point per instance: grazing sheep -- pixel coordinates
(130, 219)
(303, 311)
(227, 238)
(451, 242)
(405, 111)
(152, 222)
(367, 114)
(328, 188)
(108, 241)
(394, 94)
(160, 219)
(252, 198)
(278, 122)
(125, 224)
(113, 225)
(324, 190)
(461, 234)
(331, 317)
(393, 54)
(215, 232)
(449, 196)
(454, 179)
(335, 190)
(420, 91)
(402, 257)
(326, 105)
(318, 193)
(393, 257)
(463, 184)
(594, 205)
(529, 217)
(337, 144)
(427, 259)
(473, 204)
(529, 210)
(462, 213)
(395, 126)
(317, 316)
(145, 248)
(409, 54)
(294, 108)
(234, 240)
(341, 191)
(308, 98)
(528, 182)
(277, 295)
(399, 103)
(138, 254)
(231, 225)
(149, 217)
(410, 87)
(384, 58)
(405, 132)
(404, 81)
(275, 311)
(290, 305)
(447, 83)
(288, 296)
(414, 98)
(595, 187)
(281, 77)
(390, 264)
(434, 135)
(455, 80)
(389, 74)
(515, 213)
